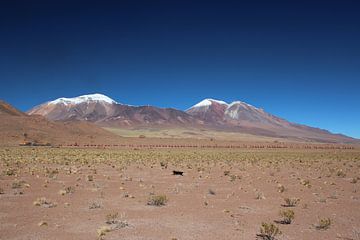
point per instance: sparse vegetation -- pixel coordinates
(111, 218)
(306, 183)
(287, 216)
(10, 172)
(126, 173)
(113, 223)
(157, 200)
(94, 205)
(340, 173)
(269, 231)
(323, 224)
(291, 202)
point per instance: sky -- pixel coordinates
(299, 60)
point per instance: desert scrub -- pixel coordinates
(17, 184)
(306, 183)
(51, 173)
(111, 218)
(287, 216)
(113, 223)
(67, 190)
(291, 202)
(340, 173)
(9, 172)
(269, 231)
(259, 196)
(43, 202)
(157, 200)
(95, 205)
(323, 224)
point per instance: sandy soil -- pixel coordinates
(206, 203)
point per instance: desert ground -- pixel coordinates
(224, 193)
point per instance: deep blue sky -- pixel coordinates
(296, 59)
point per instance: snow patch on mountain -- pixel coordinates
(207, 102)
(241, 103)
(84, 98)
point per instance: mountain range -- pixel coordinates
(209, 114)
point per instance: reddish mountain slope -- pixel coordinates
(17, 127)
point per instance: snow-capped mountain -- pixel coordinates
(209, 110)
(209, 113)
(241, 116)
(237, 112)
(105, 111)
(93, 107)
(20, 128)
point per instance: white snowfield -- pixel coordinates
(208, 101)
(84, 98)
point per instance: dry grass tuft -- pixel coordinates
(291, 202)
(269, 231)
(323, 224)
(287, 216)
(157, 200)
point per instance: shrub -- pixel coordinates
(111, 218)
(10, 172)
(269, 231)
(158, 200)
(69, 190)
(340, 173)
(287, 215)
(94, 205)
(323, 224)
(17, 184)
(306, 183)
(291, 202)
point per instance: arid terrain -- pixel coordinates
(224, 193)
(74, 179)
